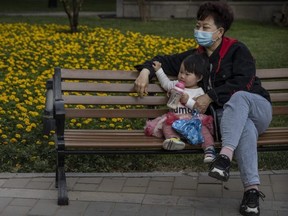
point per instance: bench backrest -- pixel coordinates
(276, 82)
(122, 101)
(87, 88)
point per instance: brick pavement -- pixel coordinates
(141, 194)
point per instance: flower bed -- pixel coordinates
(29, 54)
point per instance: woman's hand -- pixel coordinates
(142, 81)
(202, 103)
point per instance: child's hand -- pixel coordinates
(184, 98)
(156, 65)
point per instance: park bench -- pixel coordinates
(107, 94)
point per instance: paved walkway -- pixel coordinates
(116, 194)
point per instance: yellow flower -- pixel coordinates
(13, 140)
(51, 143)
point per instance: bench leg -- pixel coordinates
(62, 187)
(60, 181)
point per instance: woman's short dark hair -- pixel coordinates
(197, 64)
(221, 12)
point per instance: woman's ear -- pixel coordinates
(221, 31)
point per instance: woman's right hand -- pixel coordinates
(142, 81)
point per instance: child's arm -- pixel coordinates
(165, 82)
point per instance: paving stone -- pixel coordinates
(152, 210)
(185, 182)
(134, 189)
(279, 183)
(269, 213)
(137, 182)
(99, 209)
(160, 200)
(267, 190)
(38, 185)
(163, 178)
(4, 202)
(232, 194)
(71, 182)
(43, 179)
(280, 205)
(183, 192)
(113, 184)
(158, 187)
(75, 208)
(2, 181)
(207, 211)
(44, 207)
(281, 196)
(234, 184)
(15, 211)
(180, 211)
(209, 190)
(265, 180)
(90, 180)
(23, 202)
(125, 209)
(282, 213)
(85, 187)
(16, 183)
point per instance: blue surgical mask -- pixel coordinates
(204, 38)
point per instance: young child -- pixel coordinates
(191, 72)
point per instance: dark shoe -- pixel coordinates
(220, 168)
(250, 202)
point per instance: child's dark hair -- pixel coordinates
(197, 64)
(221, 12)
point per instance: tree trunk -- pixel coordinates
(72, 9)
(144, 10)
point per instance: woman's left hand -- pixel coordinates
(202, 103)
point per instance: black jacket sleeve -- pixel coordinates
(170, 63)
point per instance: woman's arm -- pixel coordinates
(170, 63)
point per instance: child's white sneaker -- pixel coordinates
(173, 144)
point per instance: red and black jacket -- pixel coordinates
(232, 69)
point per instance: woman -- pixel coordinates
(232, 85)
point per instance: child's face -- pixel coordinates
(189, 78)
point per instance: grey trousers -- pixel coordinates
(244, 118)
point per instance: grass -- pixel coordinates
(268, 44)
(42, 6)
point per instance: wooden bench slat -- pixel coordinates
(279, 97)
(114, 113)
(106, 87)
(280, 110)
(136, 138)
(80, 74)
(279, 85)
(272, 73)
(114, 100)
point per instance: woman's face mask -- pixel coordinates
(204, 38)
